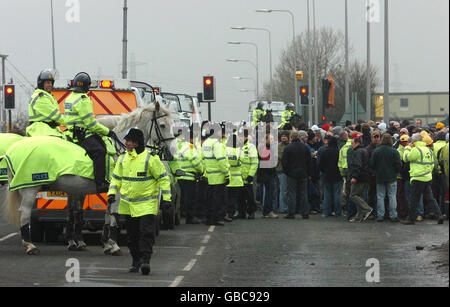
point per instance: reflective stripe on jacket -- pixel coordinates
(215, 161)
(249, 161)
(139, 178)
(43, 107)
(421, 162)
(78, 110)
(286, 117)
(189, 160)
(234, 159)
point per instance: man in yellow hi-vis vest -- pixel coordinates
(139, 176)
(421, 161)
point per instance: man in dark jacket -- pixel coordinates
(372, 192)
(386, 162)
(358, 169)
(332, 178)
(296, 163)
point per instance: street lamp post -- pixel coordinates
(386, 62)
(270, 53)
(294, 62)
(257, 61)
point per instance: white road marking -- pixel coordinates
(200, 251)
(177, 281)
(105, 269)
(211, 228)
(8, 236)
(190, 265)
(206, 239)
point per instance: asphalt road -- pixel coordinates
(246, 253)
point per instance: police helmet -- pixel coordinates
(81, 82)
(260, 105)
(290, 106)
(135, 135)
(45, 75)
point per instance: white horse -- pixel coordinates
(154, 120)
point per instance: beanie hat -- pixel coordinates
(326, 127)
(440, 125)
(355, 135)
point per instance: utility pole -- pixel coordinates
(310, 111)
(53, 38)
(2, 105)
(347, 76)
(386, 62)
(368, 77)
(124, 41)
(316, 89)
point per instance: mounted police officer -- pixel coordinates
(43, 109)
(258, 113)
(139, 176)
(85, 130)
(287, 115)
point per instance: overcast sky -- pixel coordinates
(176, 42)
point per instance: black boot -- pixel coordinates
(145, 264)
(135, 266)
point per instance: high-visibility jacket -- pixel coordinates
(189, 160)
(421, 162)
(249, 161)
(436, 147)
(286, 117)
(43, 108)
(215, 161)
(139, 178)
(79, 112)
(257, 114)
(6, 141)
(342, 162)
(443, 158)
(234, 159)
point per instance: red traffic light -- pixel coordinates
(303, 90)
(208, 81)
(9, 90)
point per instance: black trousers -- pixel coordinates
(216, 203)
(188, 198)
(419, 188)
(141, 236)
(247, 200)
(96, 150)
(232, 197)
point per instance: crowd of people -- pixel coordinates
(360, 171)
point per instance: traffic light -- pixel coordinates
(209, 90)
(9, 93)
(304, 93)
(328, 92)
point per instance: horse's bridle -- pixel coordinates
(160, 144)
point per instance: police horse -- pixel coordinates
(154, 120)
